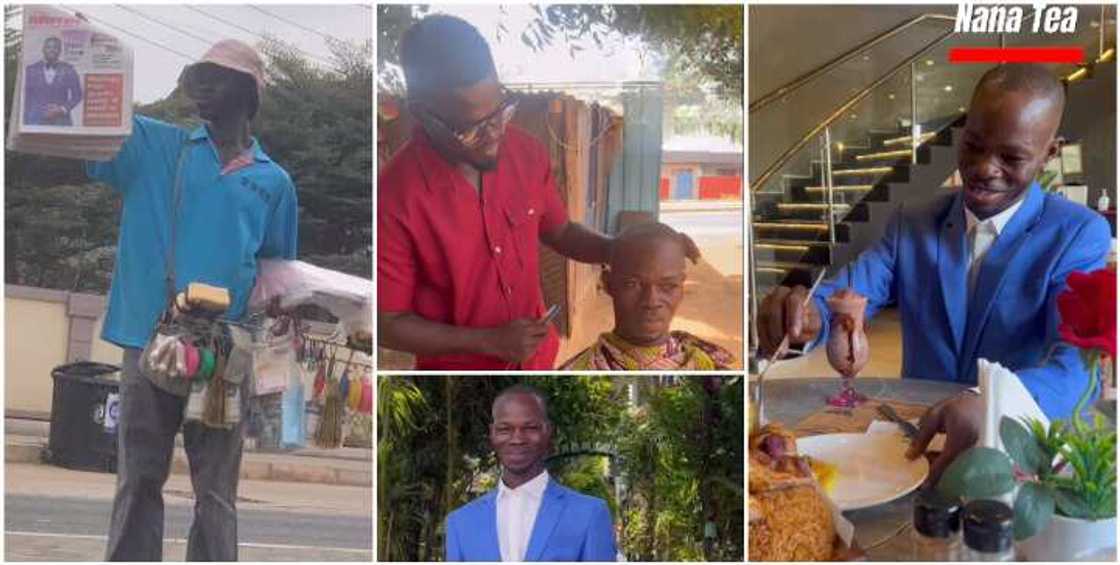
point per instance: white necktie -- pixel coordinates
(983, 235)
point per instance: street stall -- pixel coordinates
(310, 379)
(304, 380)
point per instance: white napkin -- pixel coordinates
(1003, 394)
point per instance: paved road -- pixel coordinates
(65, 528)
(725, 225)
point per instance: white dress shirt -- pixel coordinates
(49, 74)
(981, 236)
(517, 512)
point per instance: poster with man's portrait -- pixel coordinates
(74, 76)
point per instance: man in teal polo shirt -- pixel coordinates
(235, 206)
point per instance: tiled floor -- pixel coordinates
(884, 334)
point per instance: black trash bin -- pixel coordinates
(84, 410)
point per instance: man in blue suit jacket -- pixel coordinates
(52, 88)
(976, 273)
(529, 517)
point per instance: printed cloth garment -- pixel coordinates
(681, 351)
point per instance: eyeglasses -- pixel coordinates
(471, 136)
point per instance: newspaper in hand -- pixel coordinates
(73, 93)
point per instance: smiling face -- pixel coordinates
(461, 108)
(1008, 138)
(520, 435)
(646, 284)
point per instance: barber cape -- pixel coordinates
(681, 351)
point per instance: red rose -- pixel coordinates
(387, 109)
(1088, 311)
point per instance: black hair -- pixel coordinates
(523, 389)
(54, 39)
(441, 52)
(1030, 78)
(646, 231)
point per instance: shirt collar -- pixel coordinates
(202, 133)
(534, 488)
(436, 169)
(997, 222)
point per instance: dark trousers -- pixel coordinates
(149, 419)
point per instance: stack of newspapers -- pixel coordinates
(73, 94)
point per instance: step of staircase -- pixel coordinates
(907, 140)
(845, 190)
(793, 251)
(812, 211)
(800, 206)
(797, 230)
(861, 172)
(852, 188)
(774, 273)
(793, 227)
(883, 155)
(804, 211)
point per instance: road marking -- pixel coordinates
(254, 545)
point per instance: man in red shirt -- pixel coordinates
(460, 211)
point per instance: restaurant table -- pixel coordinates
(883, 531)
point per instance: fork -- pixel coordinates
(908, 429)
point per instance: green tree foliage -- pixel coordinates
(318, 125)
(662, 465)
(696, 105)
(684, 454)
(708, 39)
(392, 21)
(315, 122)
(701, 46)
(401, 407)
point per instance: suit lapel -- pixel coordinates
(994, 270)
(552, 507)
(952, 266)
(489, 528)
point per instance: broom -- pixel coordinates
(329, 433)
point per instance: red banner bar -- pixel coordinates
(1016, 55)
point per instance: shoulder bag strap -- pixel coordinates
(176, 202)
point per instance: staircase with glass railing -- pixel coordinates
(799, 231)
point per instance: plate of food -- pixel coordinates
(790, 516)
(863, 470)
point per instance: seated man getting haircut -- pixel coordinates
(645, 281)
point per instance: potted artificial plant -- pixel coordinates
(1065, 507)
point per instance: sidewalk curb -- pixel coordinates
(254, 466)
(22, 453)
